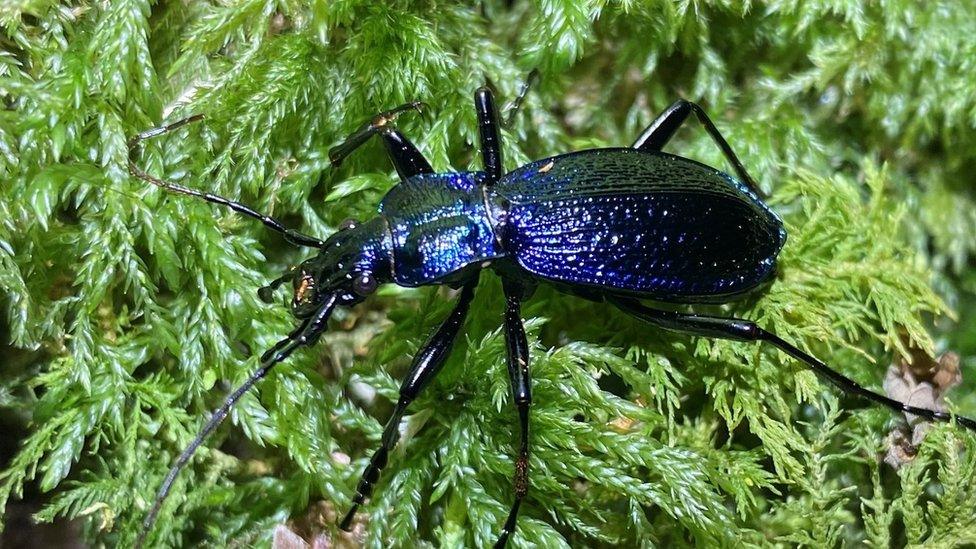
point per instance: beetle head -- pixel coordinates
(352, 263)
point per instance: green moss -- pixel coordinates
(130, 313)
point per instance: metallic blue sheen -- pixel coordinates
(621, 221)
(645, 223)
(364, 248)
(438, 225)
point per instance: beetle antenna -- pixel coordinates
(306, 334)
(291, 236)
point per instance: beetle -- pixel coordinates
(612, 225)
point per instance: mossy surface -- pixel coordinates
(130, 313)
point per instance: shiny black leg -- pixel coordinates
(518, 371)
(306, 334)
(745, 330)
(407, 160)
(426, 364)
(290, 235)
(491, 145)
(663, 128)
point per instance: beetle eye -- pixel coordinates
(364, 284)
(347, 224)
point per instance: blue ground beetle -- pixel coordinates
(613, 225)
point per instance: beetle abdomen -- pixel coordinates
(646, 223)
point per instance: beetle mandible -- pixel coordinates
(613, 225)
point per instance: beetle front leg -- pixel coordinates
(426, 365)
(407, 160)
(746, 330)
(663, 128)
(518, 370)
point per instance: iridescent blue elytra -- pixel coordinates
(641, 223)
(644, 223)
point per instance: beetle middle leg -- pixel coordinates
(663, 128)
(426, 365)
(488, 128)
(406, 158)
(518, 370)
(746, 330)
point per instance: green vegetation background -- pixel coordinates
(129, 313)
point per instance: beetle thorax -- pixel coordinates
(439, 225)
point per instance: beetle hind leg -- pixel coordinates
(518, 370)
(663, 128)
(746, 330)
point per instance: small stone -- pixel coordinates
(284, 538)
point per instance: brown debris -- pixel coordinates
(320, 525)
(923, 383)
(622, 425)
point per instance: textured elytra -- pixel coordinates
(652, 224)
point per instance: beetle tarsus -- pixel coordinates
(509, 528)
(346, 524)
(513, 108)
(407, 160)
